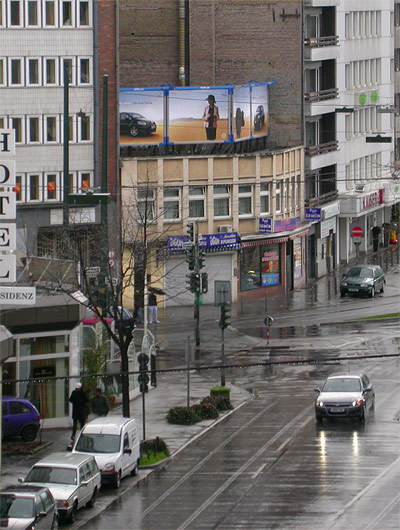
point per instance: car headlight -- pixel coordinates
(63, 504)
(357, 402)
(344, 284)
(319, 403)
(141, 123)
(365, 284)
(110, 466)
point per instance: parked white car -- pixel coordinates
(72, 479)
(114, 442)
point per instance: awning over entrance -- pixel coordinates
(6, 344)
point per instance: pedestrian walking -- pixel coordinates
(153, 311)
(100, 405)
(79, 400)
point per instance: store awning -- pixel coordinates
(6, 344)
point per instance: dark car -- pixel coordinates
(134, 124)
(20, 418)
(344, 396)
(27, 507)
(363, 279)
(259, 118)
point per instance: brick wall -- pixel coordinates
(107, 63)
(231, 41)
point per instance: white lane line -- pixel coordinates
(383, 513)
(284, 444)
(365, 490)
(259, 470)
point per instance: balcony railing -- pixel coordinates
(321, 149)
(314, 202)
(321, 42)
(321, 95)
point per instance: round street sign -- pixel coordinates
(268, 321)
(357, 231)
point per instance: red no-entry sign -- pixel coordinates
(357, 231)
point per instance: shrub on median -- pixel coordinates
(183, 416)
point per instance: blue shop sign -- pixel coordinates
(287, 224)
(313, 214)
(208, 241)
(266, 225)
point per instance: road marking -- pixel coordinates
(284, 444)
(383, 513)
(259, 470)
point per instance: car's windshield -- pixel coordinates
(342, 385)
(98, 443)
(52, 475)
(360, 273)
(18, 507)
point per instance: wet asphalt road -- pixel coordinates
(269, 465)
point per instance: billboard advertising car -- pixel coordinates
(141, 116)
(177, 115)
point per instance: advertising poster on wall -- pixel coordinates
(241, 113)
(259, 110)
(270, 270)
(297, 255)
(198, 115)
(141, 116)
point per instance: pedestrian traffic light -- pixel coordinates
(143, 377)
(191, 232)
(190, 257)
(201, 259)
(204, 282)
(225, 319)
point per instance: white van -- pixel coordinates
(114, 442)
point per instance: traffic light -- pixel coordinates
(204, 282)
(190, 257)
(193, 282)
(201, 259)
(225, 321)
(143, 377)
(191, 232)
(153, 373)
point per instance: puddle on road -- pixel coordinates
(314, 330)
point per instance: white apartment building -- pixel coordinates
(38, 38)
(349, 66)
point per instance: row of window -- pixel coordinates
(45, 13)
(365, 120)
(361, 24)
(45, 71)
(36, 187)
(48, 129)
(363, 169)
(363, 73)
(286, 198)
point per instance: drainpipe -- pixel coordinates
(182, 43)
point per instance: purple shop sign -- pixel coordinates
(205, 241)
(266, 225)
(287, 224)
(313, 214)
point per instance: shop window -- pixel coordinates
(250, 277)
(146, 205)
(197, 200)
(222, 201)
(245, 195)
(265, 198)
(171, 204)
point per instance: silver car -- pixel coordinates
(344, 396)
(73, 480)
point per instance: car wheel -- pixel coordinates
(72, 516)
(55, 523)
(117, 483)
(318, 418)
(383, 288)
(29, 433)
(361, 417)
(372, 293)
(135, 470)
(92, 501)
(342, 293)
(133, 130)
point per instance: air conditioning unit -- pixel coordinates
(225, 229)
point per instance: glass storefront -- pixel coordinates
(260, 267)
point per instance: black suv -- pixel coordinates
(134, 124)
(363, 279)
(25, 507)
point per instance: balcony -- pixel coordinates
(320, 42)
(321, 95)
(321, 200)
(321, 48)
(321, 149)
(321, 3)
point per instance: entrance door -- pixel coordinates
(289, 265)
(222, 292)
(311, 257)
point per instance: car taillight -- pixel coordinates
(39, 417)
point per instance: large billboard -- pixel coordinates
(177, 115)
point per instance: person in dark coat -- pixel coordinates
(100, 405)
(79, 400)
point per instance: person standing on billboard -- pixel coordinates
(210, 118)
